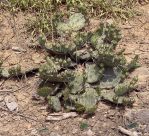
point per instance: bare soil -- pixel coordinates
(29, 118)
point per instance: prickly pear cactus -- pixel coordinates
(108, 35)
(77, 84)
(74, 23)
(94, 73)
(83, 68)
(54, 103)
(87, 102)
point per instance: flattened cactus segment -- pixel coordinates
(44, 91)
(48, 73)
(77, 84)
(87, 102)
(74, 23)
(106, 34)
(110, 96)
(111, 78)
(94, 73)
(54, 103)
(62, 48)
(133, 64)
(125, 88)
(108, 57)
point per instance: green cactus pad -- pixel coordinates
(109, 95)
(44, 91)
(54, 103)
(87, 101)
(93, 73)
(133, 64)
(60, 47)
(124, 88)
(111, 78)
(77, 84)
(106, 34)
(74, 23)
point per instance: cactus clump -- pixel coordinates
(86, 67)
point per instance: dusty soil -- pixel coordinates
(29, 118)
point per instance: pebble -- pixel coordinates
(54, 134)
(89, 133)
(18, 49)
(74, 131)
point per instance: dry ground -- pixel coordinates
(29, 119)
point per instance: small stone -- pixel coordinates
(56, 127)
(11, 103)
(54, 134)
(18, 49)
(74, 131)
(90, 133)
(34, 132)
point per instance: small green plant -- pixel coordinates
(83, 125)
(87, 68)
(15, 71)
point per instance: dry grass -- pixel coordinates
(46, 11)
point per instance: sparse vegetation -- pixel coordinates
(46, 11)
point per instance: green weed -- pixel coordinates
(83, 125)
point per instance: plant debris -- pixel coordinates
(127, 132)
(61, 116)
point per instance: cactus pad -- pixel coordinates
(74, 23)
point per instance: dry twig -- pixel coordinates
(60, 116)
(127, 132)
